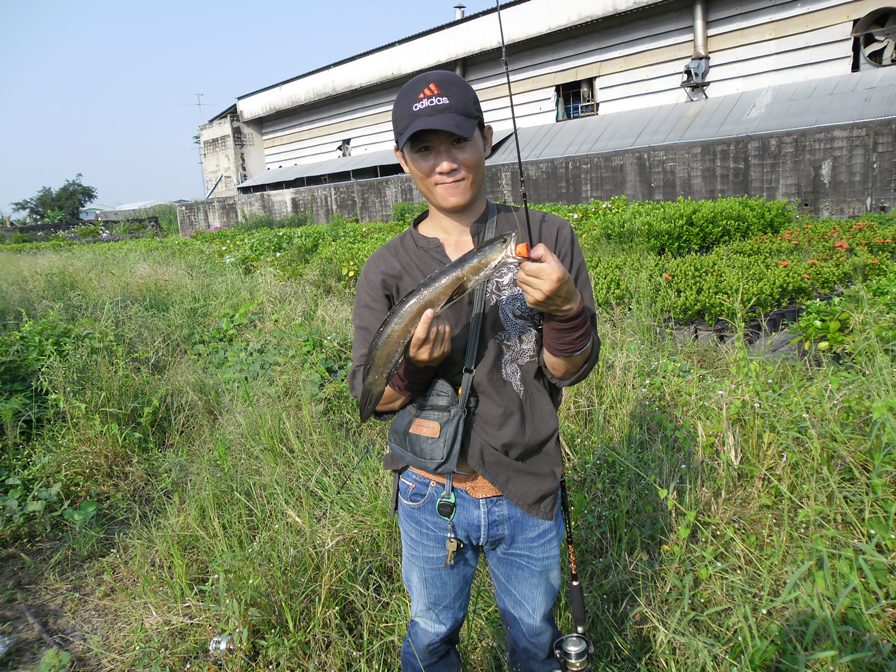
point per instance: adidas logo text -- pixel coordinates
(427, 102)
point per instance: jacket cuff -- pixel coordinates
(569, 335)
(411, 380)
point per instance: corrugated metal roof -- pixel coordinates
(385, 157)
(850, 98)
(329, 167)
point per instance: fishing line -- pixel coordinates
(349, 473)
(516, 137)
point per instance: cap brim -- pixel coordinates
(453, 123)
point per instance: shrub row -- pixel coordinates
(747, 256)
(343, 246)
(748, 277)
(676, 228)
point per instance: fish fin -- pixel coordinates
(462, 288)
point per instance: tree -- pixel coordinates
(62, 205)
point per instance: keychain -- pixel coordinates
(446, 507)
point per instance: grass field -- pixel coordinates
(181, 459)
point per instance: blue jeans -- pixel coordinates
(523, 556)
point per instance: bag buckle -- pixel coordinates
(446, 505)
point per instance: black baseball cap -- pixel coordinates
(437, 100)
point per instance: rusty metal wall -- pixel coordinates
(835, 171)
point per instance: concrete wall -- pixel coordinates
(840, 170)
(367, 200)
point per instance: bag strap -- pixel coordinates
(470, 359)
(476, 321)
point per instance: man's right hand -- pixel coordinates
(431, 341)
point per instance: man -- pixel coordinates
(537, 336)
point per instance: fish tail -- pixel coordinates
(368, 402)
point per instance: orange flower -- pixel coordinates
(784, 263)
(841, 245)
(806, 276)
(875, 261)
(813, 261)
(666, 276)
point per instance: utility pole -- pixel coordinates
(199, 105)
(199, 140)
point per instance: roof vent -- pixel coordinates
(459, 12)
(876, 32)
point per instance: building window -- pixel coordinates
(576, 99)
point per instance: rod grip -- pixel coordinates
(577, 605)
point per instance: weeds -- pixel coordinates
(187, 426)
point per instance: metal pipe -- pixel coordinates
(214, 186)
(700, 50)
(459, 66)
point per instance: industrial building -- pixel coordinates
(779, 98)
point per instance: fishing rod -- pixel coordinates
(573, 651)
(516, 137)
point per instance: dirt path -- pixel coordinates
(39, 613)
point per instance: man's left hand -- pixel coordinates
(546, 284)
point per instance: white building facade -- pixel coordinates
(568, 59)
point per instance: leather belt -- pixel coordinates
(476, 485)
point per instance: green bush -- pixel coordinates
(754, 277)
(829, 326)
(404, 212)
(341, 247)
(263, 221)
(677, 227)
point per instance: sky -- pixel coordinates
(108, 88)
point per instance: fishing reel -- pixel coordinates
(574, 652)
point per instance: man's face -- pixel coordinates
(449, 170)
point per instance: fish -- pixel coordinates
(437, 291)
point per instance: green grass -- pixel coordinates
(731, 512)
